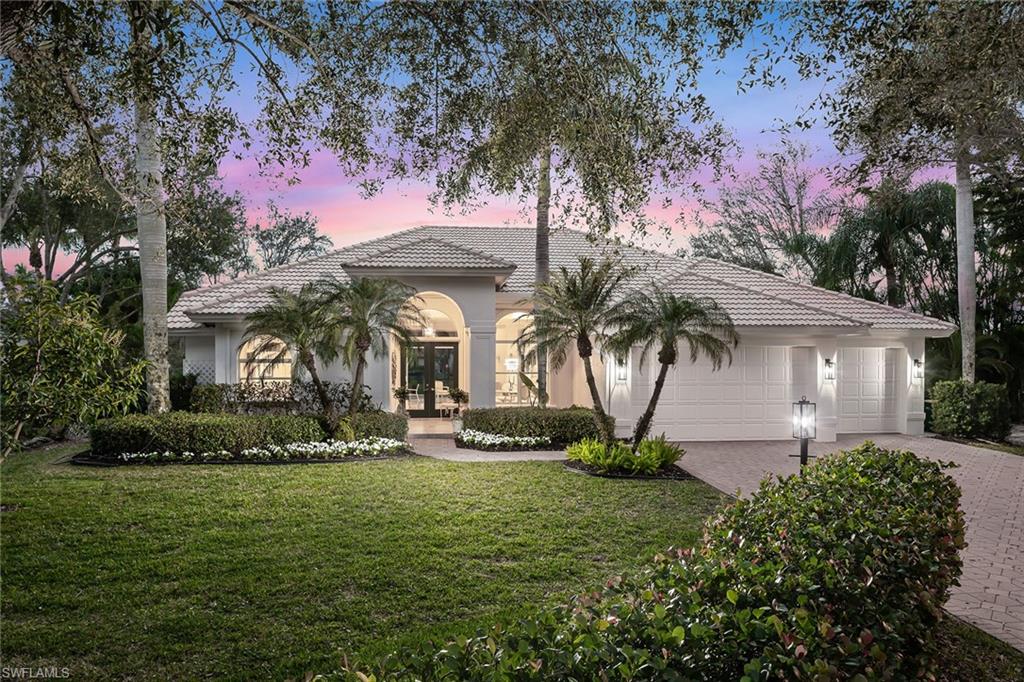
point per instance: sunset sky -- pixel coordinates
(347, 217)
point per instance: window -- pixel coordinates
(510, 387)
(264, 359)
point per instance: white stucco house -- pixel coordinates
(860, 362)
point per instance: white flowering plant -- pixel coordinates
(482, 440)
(331, 449)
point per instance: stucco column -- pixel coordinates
(910, 390)
(827, 397)
(221, 354)
(481, 365)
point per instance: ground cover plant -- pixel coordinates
(185, 572)
(292, 452)
(755, 600)
(480, 440)
(651, 456)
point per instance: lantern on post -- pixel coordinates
(805, 426)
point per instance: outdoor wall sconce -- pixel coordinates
(918, 368)
(830, 370)
(620, 369)
(805, 426)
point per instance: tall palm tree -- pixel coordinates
(367, 313)
(664, 320)
(577, 308)
(303, 323)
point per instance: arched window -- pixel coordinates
(264, 359)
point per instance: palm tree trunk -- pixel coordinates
(965, 269)
(542, 256)
(151, 220)
(644, 424)
(607, 434)
(321, 391)
(891, 287)
(357, 384)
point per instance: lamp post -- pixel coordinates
(805, 426)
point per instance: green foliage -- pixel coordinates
(180, 432)
(458, 395)
(182, 388)
(840, 573)
(970, 410)
(58, 364)
(562, 426)
(296, 397)
(379, 425)
(288, 238)
(651, 456)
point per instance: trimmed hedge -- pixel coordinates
(379, 425)
(562, 426)
(295, 397)
(837, 574)
(978, 410)
(180, 432)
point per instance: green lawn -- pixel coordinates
(179, 572)
(269, 571)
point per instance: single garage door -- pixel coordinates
(748, 400)
(867, 390)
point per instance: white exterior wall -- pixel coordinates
(200, 358)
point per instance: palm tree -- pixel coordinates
(367, 313)
(665, 320)
(577, 307)
(302, 322)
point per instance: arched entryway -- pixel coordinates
(437, 360)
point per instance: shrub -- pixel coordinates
(840, 573)
(560, 425)
(653, 455)
(296, 397)
(179, 432)
(978, 410)
(295, 452)
(379, 425)
(182, 386)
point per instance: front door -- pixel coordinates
(430, 369)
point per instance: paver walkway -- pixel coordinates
(991, 593)
(444, 448)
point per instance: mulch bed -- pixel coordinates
(87, 459)
(672, 473)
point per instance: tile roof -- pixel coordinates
(752, 298)
(433, 253)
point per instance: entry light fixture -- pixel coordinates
(805, 425)
(620, 369)
(830, 369)
(918, 368)
(428, 331)
(511, 364)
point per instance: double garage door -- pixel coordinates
(752, 398)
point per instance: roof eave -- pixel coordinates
(499, 274)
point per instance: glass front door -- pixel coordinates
(430, 369)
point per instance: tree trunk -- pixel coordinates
(891, 287)
(357, 384)
(644, 424)
(151, 221)
(585, 350)
(321, 391)
(542, 257)
(966, 277)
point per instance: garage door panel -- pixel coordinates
(867, 389)
(748, 400)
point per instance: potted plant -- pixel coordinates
(401, 394)
(458, 397)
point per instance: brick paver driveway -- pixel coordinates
(991, 594)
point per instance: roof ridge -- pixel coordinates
(800, 304)
(431, 238)
(803, 285)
